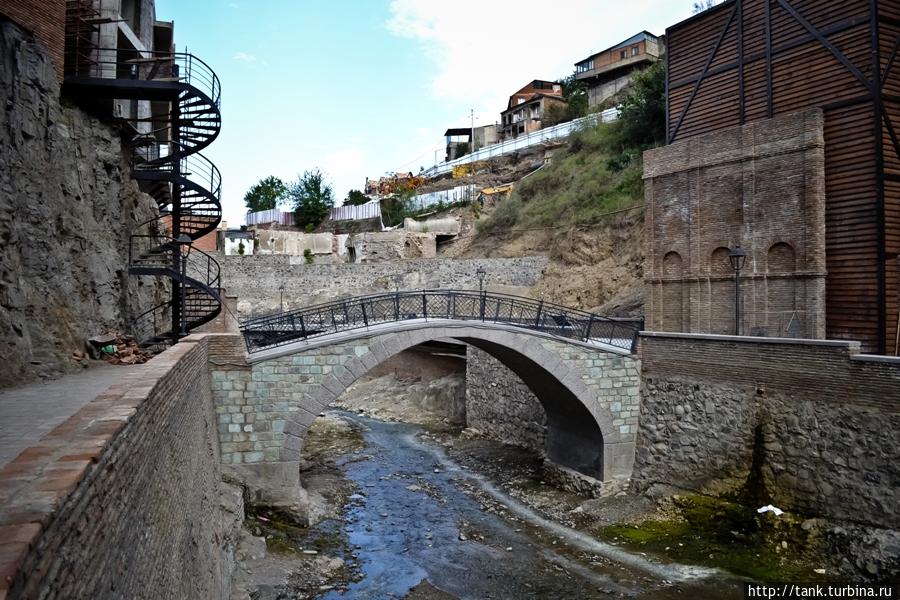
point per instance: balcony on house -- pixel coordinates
(607, 72)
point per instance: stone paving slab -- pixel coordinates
(30, 412)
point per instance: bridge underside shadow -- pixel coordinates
(573, 438)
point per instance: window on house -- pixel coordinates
(623, 54)
(634, 50)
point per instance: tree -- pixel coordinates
(355, 198)
(265, 195)
(576, 94)
(643, 109)
(311, 198)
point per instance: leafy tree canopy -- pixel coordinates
(643, 118)
(265, 195)
(576, 94)
(311, 197)
(355, 198)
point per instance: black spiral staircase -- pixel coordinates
(184, 117)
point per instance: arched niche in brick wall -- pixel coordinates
(781, 258)
(672, 265)
(719, 264)
(784, 315)
(721, 292)
(672, 292)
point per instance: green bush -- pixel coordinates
(308, 256)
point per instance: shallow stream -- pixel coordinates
(411, 521)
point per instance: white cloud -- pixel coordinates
(243, 57)
(484, 51)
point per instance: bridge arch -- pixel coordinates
(590, 393)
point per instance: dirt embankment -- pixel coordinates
(596, 267)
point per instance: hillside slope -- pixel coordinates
(583, 210)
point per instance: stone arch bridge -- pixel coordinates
(580, 366)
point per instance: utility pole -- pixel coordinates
(472, 116)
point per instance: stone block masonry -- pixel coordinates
(500, 405)
(265, 407)
(823, 420)
(122, 500)
(256, 279)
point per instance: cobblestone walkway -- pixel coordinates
(29, 412)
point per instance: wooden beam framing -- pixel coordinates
(711, 58)
(828, 45)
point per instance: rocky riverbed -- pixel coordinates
(401, 512)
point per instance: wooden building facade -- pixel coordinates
(747, 60)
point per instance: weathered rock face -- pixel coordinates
(500, 405)
(67, 208)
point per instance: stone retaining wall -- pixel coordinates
(824, 422)
(122, 500)
(256, 279)
(500, 405)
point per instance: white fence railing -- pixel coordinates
(369, 210)
(457, 194)
(264, 217)
(524, 141)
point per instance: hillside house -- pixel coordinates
(606, 73)
(527, 108)
(459, 139)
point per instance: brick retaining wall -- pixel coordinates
(122, 499)
(826, 418)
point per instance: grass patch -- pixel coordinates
(592, 177)
(718, 533)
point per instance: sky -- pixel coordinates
(361, 88)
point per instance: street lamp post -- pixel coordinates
(281, 289)
(180, 242)
(480, 272)
(737, 257)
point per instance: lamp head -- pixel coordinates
(737, 257)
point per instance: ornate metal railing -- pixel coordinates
(377, 310)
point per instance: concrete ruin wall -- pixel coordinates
(277, 241)
(329, 248)
(391, 246)
(825, 419)
(760, 186)
(255, 280)
(134, 477)
(64, 230)
(500, 405)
